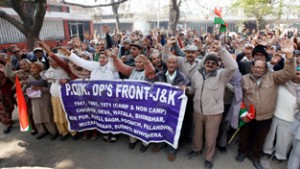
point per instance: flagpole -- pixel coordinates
(232, 137)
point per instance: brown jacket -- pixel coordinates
(264, 95)
(209, 91)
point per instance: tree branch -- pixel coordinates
(13, 21)
(39, 15)
(92, 6)
(16, 6)
(179, 3)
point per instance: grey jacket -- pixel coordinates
(209, 90)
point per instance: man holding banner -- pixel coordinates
(208, 87)
(176, 78)
(144, 111)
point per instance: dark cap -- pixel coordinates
(260, 49)
(212, 57)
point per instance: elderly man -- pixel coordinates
(246, 55)
(176, 78)
(188, 64)
(39, 56)
(259, 53)
(157, 62)
(124, 47)
(17, 56)
(260, 89)
(208, 87)
(278, 140)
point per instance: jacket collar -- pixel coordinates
(202, 71)
(165, 76)
(257, 81)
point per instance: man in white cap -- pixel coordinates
(246, 55)
(188, 64)
(39, 56)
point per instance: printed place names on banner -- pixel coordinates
(149, 112)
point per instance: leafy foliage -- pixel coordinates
(253, 8)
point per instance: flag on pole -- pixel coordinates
(22, 108)
(244, 117)
(244, 113)
(219, 20)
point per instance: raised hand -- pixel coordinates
(5, 58)
(171, 41)
(124, 58)
(263, 42)
(144, 58)
(105, 29)
(216, 46)
(64, 51)
(115, 50)
(77, 42)
(45, 47)
(275, 59)
(209, 40)
(86, 35)
(287, 48)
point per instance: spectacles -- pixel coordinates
(133, 48)
(259, 68)
(16, 52)
(211, 63)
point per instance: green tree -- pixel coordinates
(258, 9)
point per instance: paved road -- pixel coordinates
(21, 150)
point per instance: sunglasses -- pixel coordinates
(16, 52)
(210, 63)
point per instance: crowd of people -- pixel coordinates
(217, 71)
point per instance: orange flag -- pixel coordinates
(251, 112)
(218, 12)
(22, 108)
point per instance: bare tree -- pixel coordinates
(174, 14)
(115, 9)
(31, 13)
(93, 6)
(114, 4)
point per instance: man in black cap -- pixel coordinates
(259, 53)
(260, 90)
